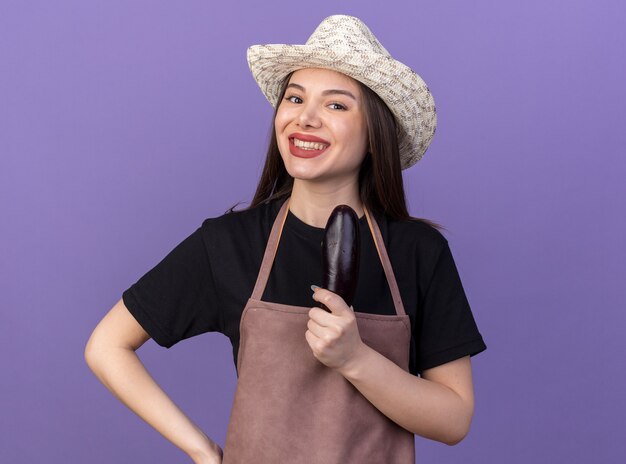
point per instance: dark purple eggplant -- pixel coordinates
(340, 253)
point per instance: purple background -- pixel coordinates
(124, 124)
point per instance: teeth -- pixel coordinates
(309, 145)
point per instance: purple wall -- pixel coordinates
(124, 124)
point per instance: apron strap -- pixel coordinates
(384, 259)
(272, 247)
(270, 251)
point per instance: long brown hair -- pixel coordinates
(381, 188)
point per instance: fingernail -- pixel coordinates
(313, 287)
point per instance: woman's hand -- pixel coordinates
(333, 337)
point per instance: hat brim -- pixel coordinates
(404, 91)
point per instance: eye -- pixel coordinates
(338, 106)
(292, 97)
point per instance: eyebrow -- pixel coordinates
(326, 92)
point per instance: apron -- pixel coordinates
(288, 407)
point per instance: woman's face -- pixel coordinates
(320, 126)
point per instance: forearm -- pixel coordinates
(424, 407)
(123, 373)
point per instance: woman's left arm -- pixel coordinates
(439, 405)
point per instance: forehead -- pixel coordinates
(324, 78)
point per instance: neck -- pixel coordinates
(313, 204)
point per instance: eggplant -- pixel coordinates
(341, 249)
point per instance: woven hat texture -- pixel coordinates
(345, 44)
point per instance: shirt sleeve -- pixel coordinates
(447, 330)
(176, 299)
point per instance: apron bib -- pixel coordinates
(289, 408)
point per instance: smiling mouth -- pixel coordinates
(308, 145)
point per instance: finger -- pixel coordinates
(322, 317)
(315, 328)
(312, 340)
(331, 300)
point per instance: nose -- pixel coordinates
(308, 116)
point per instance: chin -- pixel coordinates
(302, 174)
(298, 170)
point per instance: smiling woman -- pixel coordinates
(353, 385)
(321, 129)
(380, 181)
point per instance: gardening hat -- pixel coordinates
(345, 44)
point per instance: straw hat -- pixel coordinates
(345, 44)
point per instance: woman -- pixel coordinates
(352, 385)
